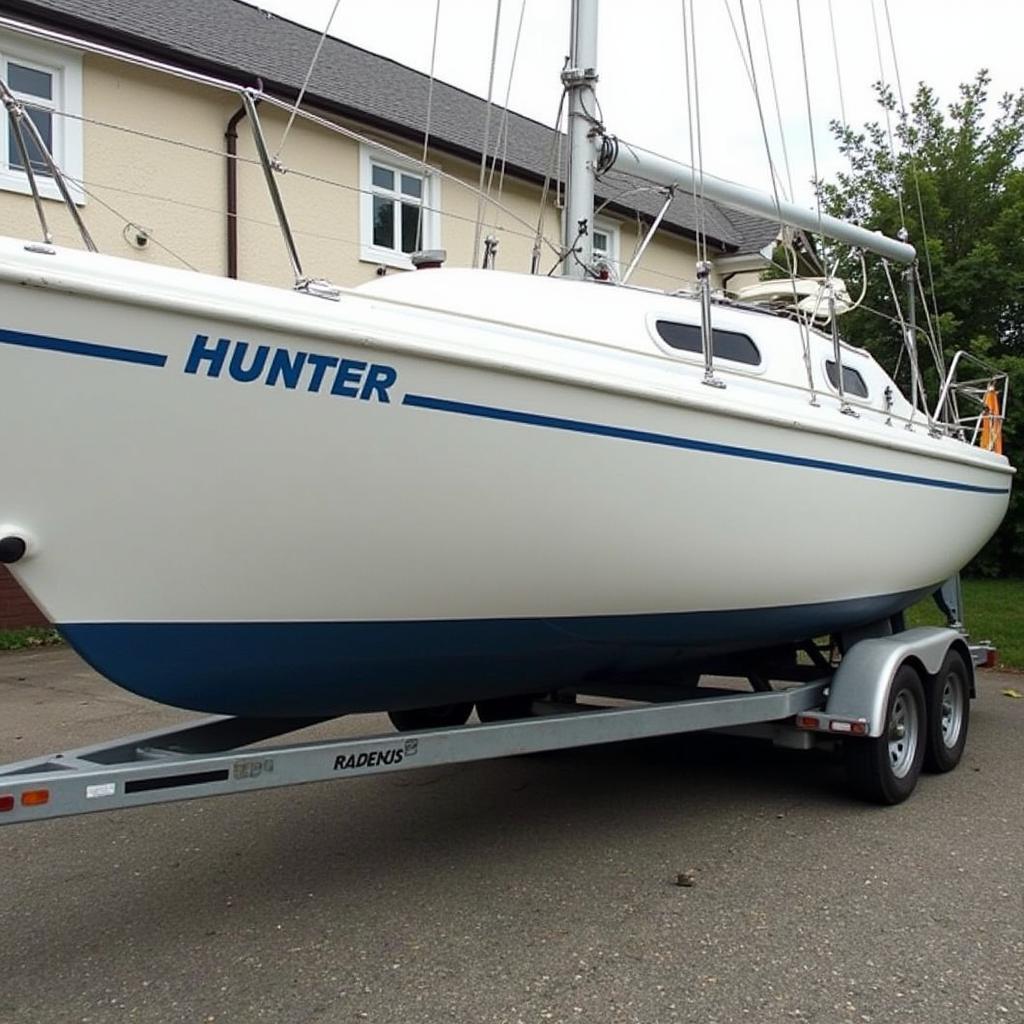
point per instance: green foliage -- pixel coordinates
(956, 183)
(30, 636)
(994, 610)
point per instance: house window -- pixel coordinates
(605, 242)
(853, 382)
(47, 81)
(399, 210)
(732, 345)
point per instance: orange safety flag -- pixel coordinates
(992, 423)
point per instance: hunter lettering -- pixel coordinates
(292, 370)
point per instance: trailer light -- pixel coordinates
(6, 802)
(35, 797)
(807, 722)
(856, 728)
(992, 658)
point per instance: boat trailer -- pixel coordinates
(896, 702)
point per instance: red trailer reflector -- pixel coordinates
(35, 797)
(6, 803)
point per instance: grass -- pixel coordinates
(30, 636)
(993, 610)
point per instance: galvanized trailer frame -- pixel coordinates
(214, 756)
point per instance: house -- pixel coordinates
(146, 153)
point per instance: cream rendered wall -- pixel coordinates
(178, 194)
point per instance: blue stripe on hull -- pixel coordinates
(82, 348)
(285, 669)
(488, 412)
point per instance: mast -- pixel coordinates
(579, 79)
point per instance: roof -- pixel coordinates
(242, 43)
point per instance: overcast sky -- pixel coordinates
(640, 60)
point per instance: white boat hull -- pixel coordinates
(417, 528)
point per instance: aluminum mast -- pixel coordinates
(579, 79)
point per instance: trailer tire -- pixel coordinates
(948, 709)
(443, 716)
(885, 769)
(505, 709)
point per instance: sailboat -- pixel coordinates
(453, 486)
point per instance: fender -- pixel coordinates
(860, 687)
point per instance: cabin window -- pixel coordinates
(853, 382)
(47, 81)
(399, 210)
(731, 345)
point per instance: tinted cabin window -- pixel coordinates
(727, 344)
(853, 382)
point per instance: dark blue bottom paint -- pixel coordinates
(300, 669)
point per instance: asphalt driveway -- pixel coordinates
(531, 889)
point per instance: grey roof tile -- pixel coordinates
(244, 43)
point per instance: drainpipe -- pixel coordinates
(231, 140)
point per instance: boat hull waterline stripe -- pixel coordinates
(137, 356)
(690, 444)
(82, 348)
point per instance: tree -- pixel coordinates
(954, 179)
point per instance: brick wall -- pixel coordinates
(16, 607)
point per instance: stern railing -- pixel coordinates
(973, 408)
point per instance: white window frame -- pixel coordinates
(430, 199)
(609, 228)
(65, 68)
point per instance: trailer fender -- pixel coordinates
(859, 691)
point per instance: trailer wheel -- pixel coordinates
(505, 709)
(443, 716)
(948, 702)
(885, 769)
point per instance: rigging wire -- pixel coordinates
(554, 147)
(917, 381)
(920, 205)
(791, 256)
(888, 115)
(775, 94)
(502, 140)
(262, 222)
(79, 183)
(330, 126)
(487, 133)
(305, 81)
(760, 112)
(695, 160)
(748, 67)
(810, 116)
(430, 111)
(934, 333)
(835, 56)
(440, 172)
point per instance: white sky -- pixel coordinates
(640, 60)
